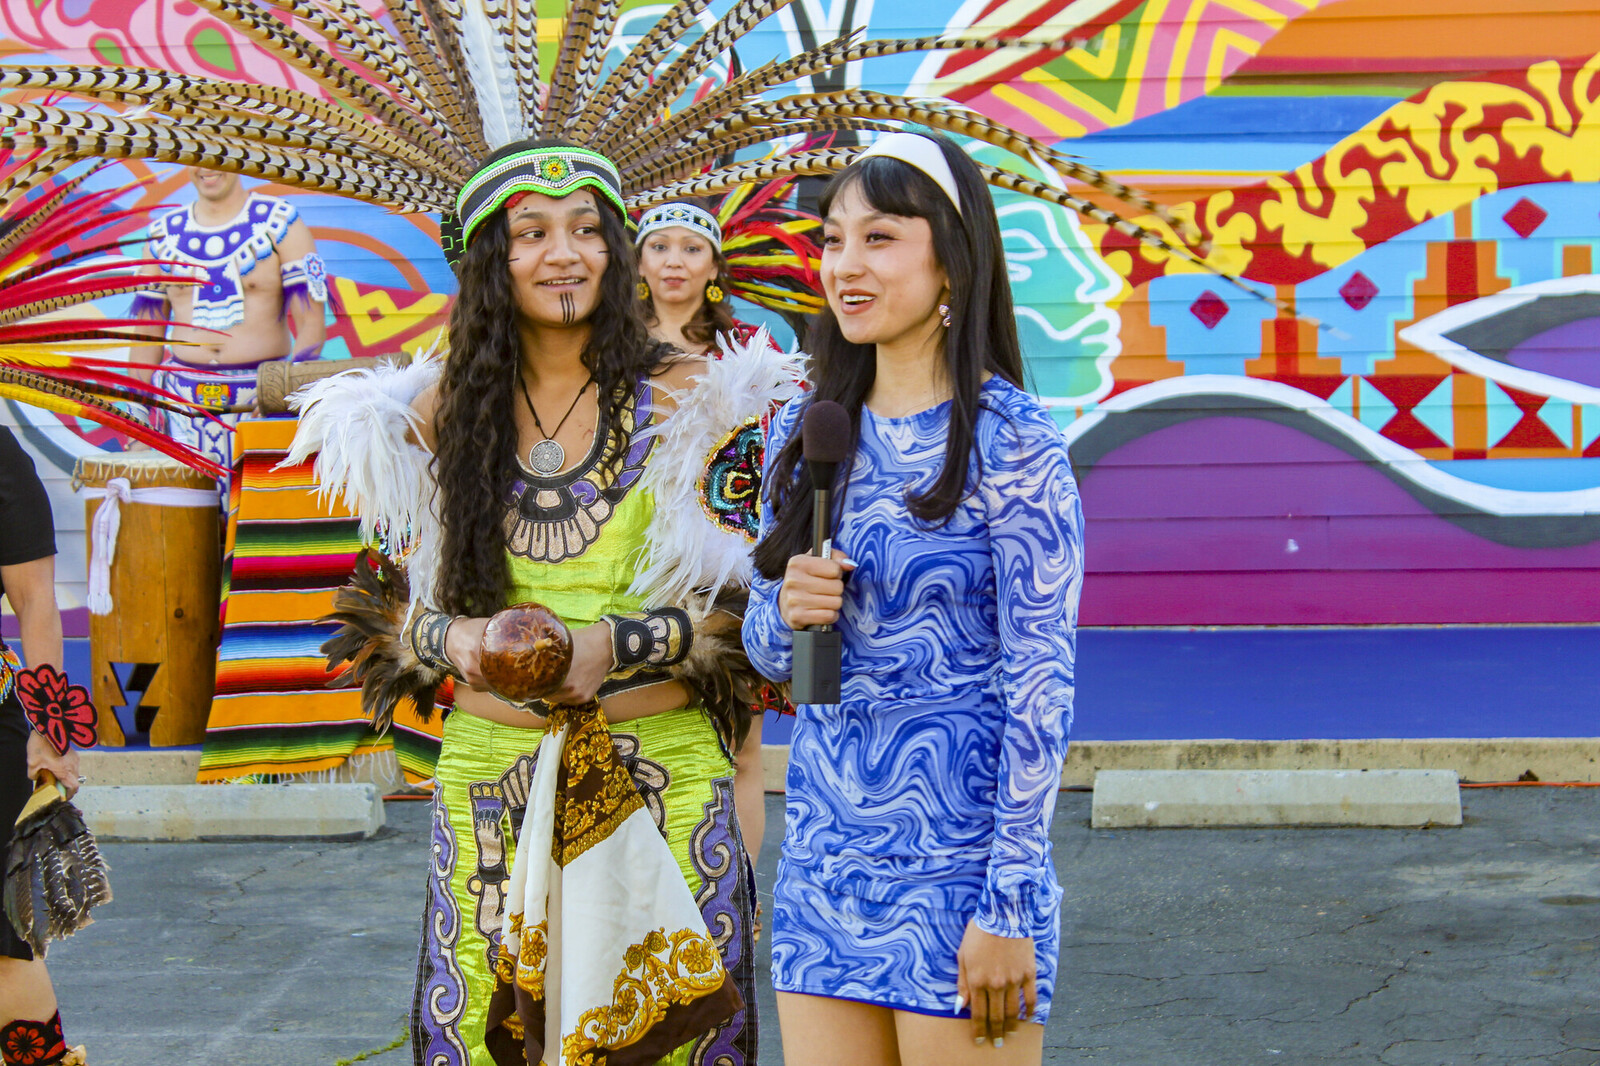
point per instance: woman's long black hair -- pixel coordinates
(475, 459)
(713, 317)
(982, 337)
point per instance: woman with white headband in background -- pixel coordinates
(686, 285)
(916, 916)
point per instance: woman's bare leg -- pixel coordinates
(750, 791)
(819, 1031)
(925, 1040)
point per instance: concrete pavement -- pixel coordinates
(1208, 947)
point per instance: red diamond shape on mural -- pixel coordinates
(1525, 216)
(1358, 291)
(1209, 309)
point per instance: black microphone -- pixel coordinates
(825, 443)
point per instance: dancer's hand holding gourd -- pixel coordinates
(588, 659)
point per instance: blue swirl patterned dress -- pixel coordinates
(924, 798)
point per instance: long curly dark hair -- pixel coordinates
(712, 318)
(475, 460)
(982, 337)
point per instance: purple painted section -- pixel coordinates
(1240, 521)
(74, 623)
(1567, 351)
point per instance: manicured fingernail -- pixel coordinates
(961, 1001)
(999, 1042)
(978, 1040)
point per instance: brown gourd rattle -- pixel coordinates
(525, 653)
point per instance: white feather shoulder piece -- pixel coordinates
(691, 553)
(360, 426)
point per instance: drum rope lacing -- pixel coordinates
(108, 520)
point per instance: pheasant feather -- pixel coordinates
(404, 106)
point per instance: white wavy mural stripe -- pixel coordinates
(1403, 462)
(1431, 336)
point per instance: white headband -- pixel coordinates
(688, 216)
(922, 153)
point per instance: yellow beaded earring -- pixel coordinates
(643, 289)
(714, 293)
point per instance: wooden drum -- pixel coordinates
(161, 634)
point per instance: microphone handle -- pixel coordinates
(821, 526)
(818, 649)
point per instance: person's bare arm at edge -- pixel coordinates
(149, 355)
(31, 588)
(306, 317)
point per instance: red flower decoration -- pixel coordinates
(27, 1043)
(57, 708)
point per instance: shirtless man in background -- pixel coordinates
(264, 287)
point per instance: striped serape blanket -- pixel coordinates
(274, 718)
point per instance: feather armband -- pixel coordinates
(373, 645)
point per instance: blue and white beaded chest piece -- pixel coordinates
(224, 253)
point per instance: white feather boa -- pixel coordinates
(361, 428)
(688, 557)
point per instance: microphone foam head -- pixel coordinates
(825, 433)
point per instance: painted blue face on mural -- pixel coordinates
(1063, 291)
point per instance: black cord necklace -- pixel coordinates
(547, 457)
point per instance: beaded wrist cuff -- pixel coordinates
(426, 636)
(649, 638)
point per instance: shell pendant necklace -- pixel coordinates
(548, 456)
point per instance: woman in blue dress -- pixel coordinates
(917, 912)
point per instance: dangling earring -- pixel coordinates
(643, 289)
(944, 315)
(714, 293)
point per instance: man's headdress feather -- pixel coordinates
(409, 105)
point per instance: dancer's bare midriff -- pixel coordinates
(262, 334)
(623, 707)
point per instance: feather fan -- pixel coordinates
(42, 360)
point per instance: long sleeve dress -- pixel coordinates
(923, 799)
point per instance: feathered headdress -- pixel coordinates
(411, 104)
(773, 259)
(42, 360)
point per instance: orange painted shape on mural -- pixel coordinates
(1577, 260)
(1381, 36)
(1144, 346)
(1469, 400)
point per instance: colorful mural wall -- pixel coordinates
(1401, 424)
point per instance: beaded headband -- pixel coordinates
(553, 171)
(688, 216)
(922, 153)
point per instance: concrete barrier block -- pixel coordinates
(140, 766)
(202, 812)
(1125, 799)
